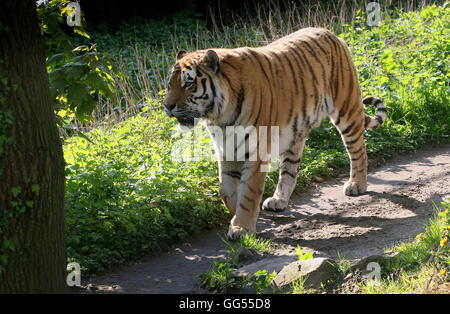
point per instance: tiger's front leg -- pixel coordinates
(230, 173)
(250, 191)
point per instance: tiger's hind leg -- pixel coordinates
(351, 127)
(290, 163)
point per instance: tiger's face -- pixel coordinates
(191, 90)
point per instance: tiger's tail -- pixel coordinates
(373, 122)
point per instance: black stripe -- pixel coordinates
(367, 121)
(291, 67)
(349, 128)
(352, 142)
(233, 174)
(358, 129)
(242, 142)
(291, 161)
(311, 70)
(229, 82)
(357, 151)
(288, 173)
(314, 40)
(255, 55)
(290, 152)
(249, 199)
(295, 126)
(312, 52)
(255, 123)
(305, 96)
(338, 120)
(229, 64)
(213, 87)
(358, 158)
(377, 102)
(238, 109)
(368, 100)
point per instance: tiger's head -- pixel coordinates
(193, 87)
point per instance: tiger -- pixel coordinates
(293, 83)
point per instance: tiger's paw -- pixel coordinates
(236, 232)
(352, 188)
(274, 204)
(241, 226)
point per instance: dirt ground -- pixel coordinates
(399, 201)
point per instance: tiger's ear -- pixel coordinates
(212, 61)
(181, 54)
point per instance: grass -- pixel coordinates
(253, 242)
(221, 278)
(132, 184)
(298, 286)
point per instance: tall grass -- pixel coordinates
(145, 50)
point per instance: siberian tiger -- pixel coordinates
(292, 83)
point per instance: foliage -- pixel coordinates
(77, 75)
(298, 286)
(303, 256)
(262, 280)
(221, 278)
(251, 241)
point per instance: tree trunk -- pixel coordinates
(32, 228)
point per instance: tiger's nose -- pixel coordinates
(170, 107)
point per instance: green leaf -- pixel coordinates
(16, 191)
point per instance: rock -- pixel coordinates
(318, 179)
(317, 271)
(362, 263)
(246, 255)
(247, 289)
(91, 287)
(271, 264)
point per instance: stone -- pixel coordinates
(362, 263)
(317, 271)
(271, 264)
(247, 255)
(318, 179)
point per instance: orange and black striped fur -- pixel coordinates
(293, 83)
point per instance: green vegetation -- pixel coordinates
(125, 194)
(222, 277)
(303, 256)
(78, 75)
(253, 242)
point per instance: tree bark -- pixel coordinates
(32, 227)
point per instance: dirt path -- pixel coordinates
(398, 203)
